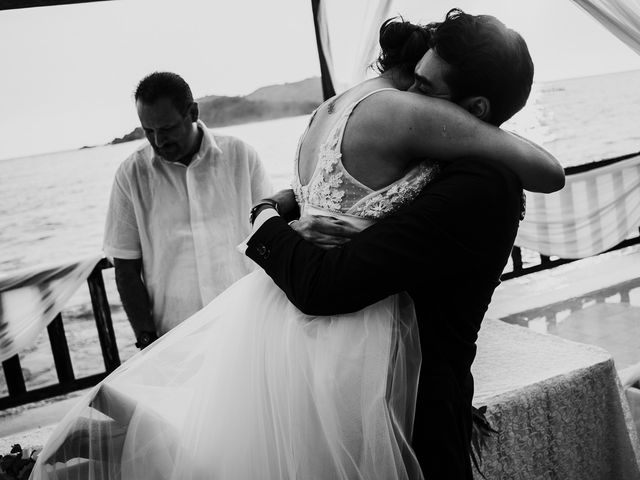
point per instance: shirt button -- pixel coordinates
(261, 249)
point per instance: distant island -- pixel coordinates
(266, 103)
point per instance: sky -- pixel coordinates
(69, 71)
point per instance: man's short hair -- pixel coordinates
(164, 85)
(488, 60)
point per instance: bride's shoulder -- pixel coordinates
(385, 107)
(381, 115)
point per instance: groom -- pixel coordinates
(447, 249)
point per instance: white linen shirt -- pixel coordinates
(185, 222)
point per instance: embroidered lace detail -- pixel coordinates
(398, 195)
(332, 188)
(324, 189)
(296, 186)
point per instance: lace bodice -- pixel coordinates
(332, 188)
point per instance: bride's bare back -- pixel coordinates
(363, 155)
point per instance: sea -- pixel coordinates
(53, 206)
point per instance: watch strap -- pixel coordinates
(262, 203)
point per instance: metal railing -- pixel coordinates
(551, 312)
(544, 262)
(67, 381)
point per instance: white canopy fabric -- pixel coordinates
(620, 17)
(595, 211)
(31, 299)
(354, 27)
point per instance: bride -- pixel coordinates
(251, 388)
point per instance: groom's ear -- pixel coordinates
(478, 106)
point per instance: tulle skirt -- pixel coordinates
(251, 388)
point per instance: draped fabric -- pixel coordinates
(354, 26)
(595, 211)
(620, 17)
(30, 300)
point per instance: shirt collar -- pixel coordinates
(208, 146)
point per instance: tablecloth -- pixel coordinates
(558, 405)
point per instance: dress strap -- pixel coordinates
(342, 124)
(350, 108)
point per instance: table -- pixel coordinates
(558, 405)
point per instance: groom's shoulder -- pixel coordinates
(475, 205)
(471, 185)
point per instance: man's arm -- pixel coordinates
(133, 294)
(397, 252)
(261, 186)
(122, 243)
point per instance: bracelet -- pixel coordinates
(262, 203)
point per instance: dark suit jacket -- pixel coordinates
(447, 249)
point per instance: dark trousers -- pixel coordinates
(442, 428)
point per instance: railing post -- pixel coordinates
(102, 315)
(516, 258)
(625, 297)
(60, 350)
(13, 376)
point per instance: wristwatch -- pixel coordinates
(145, 339)
(256, 208)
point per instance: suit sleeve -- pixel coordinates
(392, 255)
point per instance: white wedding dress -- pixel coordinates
(251, 388)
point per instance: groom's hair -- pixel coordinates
(169, 85)
(488, 60)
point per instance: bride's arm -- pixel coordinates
(538, 170)
(435, 128)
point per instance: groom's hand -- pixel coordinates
(325, 232)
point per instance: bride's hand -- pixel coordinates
(325, 232)
(287, 206)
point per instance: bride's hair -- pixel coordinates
(402, 44)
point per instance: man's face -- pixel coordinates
(170, 132)
(430, 74)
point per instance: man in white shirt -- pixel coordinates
(179, 206)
